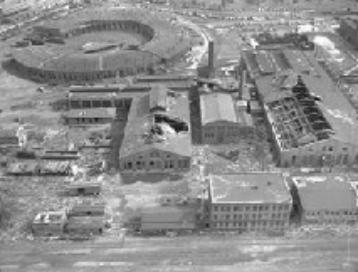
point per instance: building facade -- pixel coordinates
(221, 121)
(250, 202)
(327, 199)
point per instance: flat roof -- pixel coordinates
(256, 188)
(329, 192)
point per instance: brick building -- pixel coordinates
(222, 121)
(312, 124)
(327, 199)
(156, 137)
(249, 202)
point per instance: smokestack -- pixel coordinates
(211, 56)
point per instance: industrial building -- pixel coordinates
(157, 136)
(311, 122)
(91, 116)
(222, 120)
(326, 199)
(258, 202)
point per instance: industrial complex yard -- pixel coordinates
(171, 135)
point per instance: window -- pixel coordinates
(151, 163)
(215, 217)
(266, 208)
(236, 208)
(129, 165)
(254, 208)
(330, 148)
(253, 216)
(215, 208)
(273, 207)
(222, 209)
(227, 217)
(247, 208)
(228, 208)
(235, 216)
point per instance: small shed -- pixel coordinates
(49, 223)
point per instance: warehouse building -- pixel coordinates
(326, 199)
(222, 120)
(258, 202)
(311, 122)
(90, 116)
(156, 137)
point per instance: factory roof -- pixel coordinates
(259, 187)
(165, 130)
(329, 192)
(320, 97)
(91, 113)
(217, 107)
(158, 98)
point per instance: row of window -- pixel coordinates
(251, 224)
(158, 164)
(247, 216)
(317, 213)
(259, 208)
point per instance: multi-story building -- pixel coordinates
(326, 199)
(222, 121)
(249, 202)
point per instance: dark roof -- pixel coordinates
(330, 192)
(259, 187)
(140, 122)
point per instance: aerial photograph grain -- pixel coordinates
(179, 135)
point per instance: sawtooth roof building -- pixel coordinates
(311, 121)
(258, 201)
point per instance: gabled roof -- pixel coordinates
(260, 187)
(158, 98)
(217, 107)
(141, 121)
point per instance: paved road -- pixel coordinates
(181, 254)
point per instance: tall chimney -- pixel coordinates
(211, 56)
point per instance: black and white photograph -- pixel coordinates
(179, 135)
